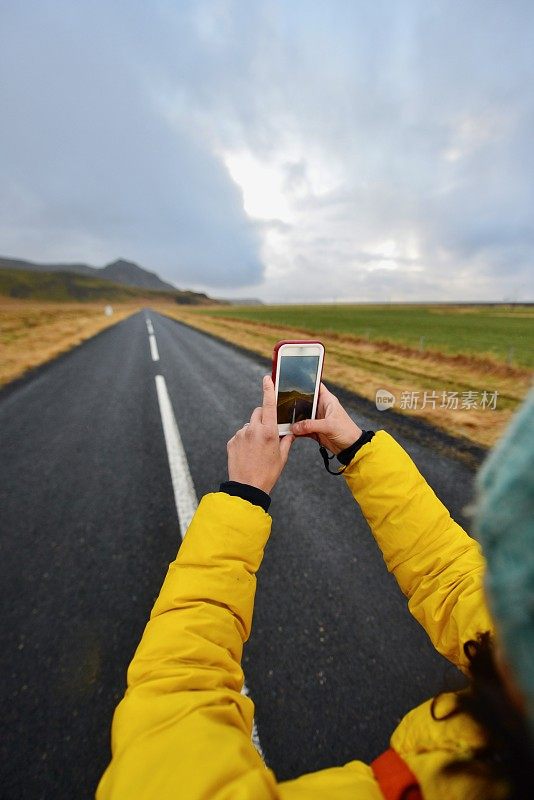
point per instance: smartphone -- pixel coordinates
(297, 372)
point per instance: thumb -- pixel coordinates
(308, 426)
(285, 445)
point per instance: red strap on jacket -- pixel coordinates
(394, 776)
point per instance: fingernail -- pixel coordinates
(265, 380)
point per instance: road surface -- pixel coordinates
(89, 525)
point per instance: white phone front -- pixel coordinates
(298, 379)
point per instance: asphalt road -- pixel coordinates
(89, 526)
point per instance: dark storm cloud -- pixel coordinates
(90, 166)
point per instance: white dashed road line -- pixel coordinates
(185, 496)
(152, 340)
(153, 347)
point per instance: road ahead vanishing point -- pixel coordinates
(104, 454)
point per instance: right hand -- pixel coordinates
(332, 427)
(256, 454)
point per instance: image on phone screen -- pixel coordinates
(296, 387)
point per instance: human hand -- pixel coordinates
(332, 427)
(256, 454)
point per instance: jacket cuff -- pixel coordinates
(247, 492)
(346, 455)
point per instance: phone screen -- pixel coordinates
(296, 387)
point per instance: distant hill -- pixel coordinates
(123, 272)
(130, 274)
(71, 286)
(242, 301)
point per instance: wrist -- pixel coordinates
(350, 436)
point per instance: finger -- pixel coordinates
(325, 394)
(268, 416)
(256, 415)
(308, 426)
(327, 402)
(285, 445)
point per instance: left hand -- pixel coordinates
(256, 454)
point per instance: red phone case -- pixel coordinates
(293, 341)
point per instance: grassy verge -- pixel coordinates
(394, 358)
(32, 333)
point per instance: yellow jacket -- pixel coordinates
(183, 728)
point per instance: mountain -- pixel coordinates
(129, 274)
(62, 286)
(17, 263)
(125, 273)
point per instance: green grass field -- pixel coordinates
(503, 332)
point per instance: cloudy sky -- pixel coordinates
(291, 151)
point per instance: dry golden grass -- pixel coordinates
(364, 366)
(32, 332)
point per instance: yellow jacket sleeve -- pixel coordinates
(183, 728)
(437, 565)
